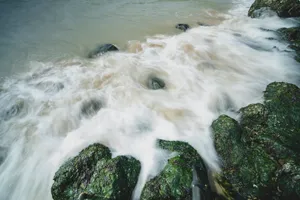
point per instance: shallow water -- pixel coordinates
(50, 30)
(207, 71)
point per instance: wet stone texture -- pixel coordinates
(102, 49)
(283, 8)
(261, 153)
(93, 174)
(292, 35)
(174, 182)
(183, 27)
(155, 83)
(90, 107)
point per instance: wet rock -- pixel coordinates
(283, 8)
(14, 110)
(263, 12)
(292, 35)
(183, 27)
(255, 150)
(90, 107)
(3, 154)
(202, 24)
(174, 182)
(297, 57)
(93, 174)
(288, 179)
(100, 50)
(155, 83)
(50, 87)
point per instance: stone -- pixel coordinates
(183, 27)
(155, 83)
(90, 107)
(202, 24)
(292, 35)
(50, 87)
(14, 110)
(93, 174)
(174, 182)
(102, 49)
(283, 8)
(255, 150)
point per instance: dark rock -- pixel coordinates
(292, 35)
(100, 50)
(202, 24)
(14, 110)
(50, 87)
(155, 83)
(3, 154)
(93, 174)
(183, 27)
(90, 107)
(283, 8)
(174, 182)
(256, 150)
(297, 57)
(263, 12)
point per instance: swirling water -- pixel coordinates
(208, 70)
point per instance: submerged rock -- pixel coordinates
(100, 50)
(283, 8)
(91, 107)
(14, 110)
(292, 35)
(183, 27)
(93, 174)
(174, 182)
(202, 24)
(256, 151)
(155, 83)
(50, 87)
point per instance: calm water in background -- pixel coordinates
(48, 30)
(208, 71)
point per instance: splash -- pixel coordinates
(207, 71)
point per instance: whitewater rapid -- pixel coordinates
(208, 70)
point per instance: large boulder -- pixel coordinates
(283, 8)
(93, 174)
(261, 153)
(174, 182)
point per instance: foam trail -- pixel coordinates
(207, 71)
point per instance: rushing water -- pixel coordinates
(208, 70)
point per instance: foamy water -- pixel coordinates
(207, 70)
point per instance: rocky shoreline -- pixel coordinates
(260, 153)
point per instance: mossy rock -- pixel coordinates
(93, 174)
(283, 8)
(174, 182)
(267, 138)
(292, 35)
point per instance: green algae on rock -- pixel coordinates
(93, 174)
(284, 8)
(174, 182)
(257, 151)
(292, 35)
